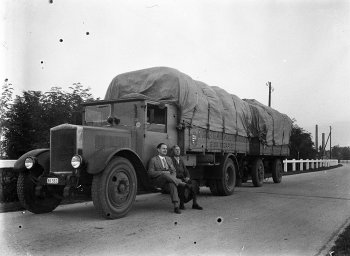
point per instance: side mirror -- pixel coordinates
(113, 120)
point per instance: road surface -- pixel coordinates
(297, 217)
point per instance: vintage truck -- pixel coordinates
(225, 141)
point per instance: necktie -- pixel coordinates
(165, 165)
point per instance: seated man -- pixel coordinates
(183, 174)
(162, 172)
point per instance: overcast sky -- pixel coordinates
(302, 47)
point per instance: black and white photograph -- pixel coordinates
(173, 127)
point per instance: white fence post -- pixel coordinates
(301, 165)
(293, 165)
(285, 165)
(307, 164)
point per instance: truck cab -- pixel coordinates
(108, 154)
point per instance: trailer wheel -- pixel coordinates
(49, 198)
(277, 171)
(226, 184)
(114, 190)
(258, 172)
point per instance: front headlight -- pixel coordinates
(29, 162)
(76, 161)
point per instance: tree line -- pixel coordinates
(26, 121)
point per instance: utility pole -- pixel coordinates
(330, 142)
(323, 145)
(270, 90)
(316, 139)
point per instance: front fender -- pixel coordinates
(43, 159)
(98, 162)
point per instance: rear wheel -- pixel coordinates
(45, 201)
(277, 171)
(258, 172)
(114, 190)
(226, 184)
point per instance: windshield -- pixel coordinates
(97, 115)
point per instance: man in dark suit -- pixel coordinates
(183, 174)
(162, 173)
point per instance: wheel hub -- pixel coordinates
(119, 188)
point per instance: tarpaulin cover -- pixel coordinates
(268, 124)
(203, 105)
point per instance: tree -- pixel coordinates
(5, 104)
(301, 145)
(24, 125)
(341, 153)
(32, 115)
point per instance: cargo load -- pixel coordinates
(202, 105)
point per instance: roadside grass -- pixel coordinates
(342, 244)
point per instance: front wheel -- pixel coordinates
(258, 172)
(114, 190)
(49, 198)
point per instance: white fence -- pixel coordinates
(309, 164)
(7, 163)
(345, 161)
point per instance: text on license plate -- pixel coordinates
(52, 180)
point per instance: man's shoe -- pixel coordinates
(197, 207)
(182, 207)
(177, 210)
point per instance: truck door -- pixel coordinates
(160, 126)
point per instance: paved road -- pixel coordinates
(297, 217)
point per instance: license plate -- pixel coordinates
(52, 180)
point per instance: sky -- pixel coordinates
(301, 47)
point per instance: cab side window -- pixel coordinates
(156, 118)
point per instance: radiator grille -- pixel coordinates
(63, 147)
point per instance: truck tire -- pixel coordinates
(277, 171)
(114, 190)
(258, 172)
(49, 199)
(226, 184)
